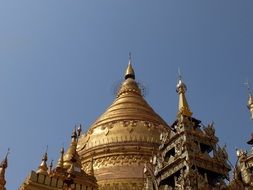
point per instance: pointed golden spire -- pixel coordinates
(129, 85)
(183, 107)
(71, 155)
(3, 166)
(43, 169)
(60, 161)
(129, 71)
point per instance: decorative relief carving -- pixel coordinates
(242, 170)
(121, 185)
(179, 149)
(128, 123)
(118, 160)
(106, 131)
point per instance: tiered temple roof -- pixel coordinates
(67, 175)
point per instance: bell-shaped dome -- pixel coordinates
(129, 105)
(122, 139)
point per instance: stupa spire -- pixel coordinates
(3, 166)
(71, 156)
(183, 107)
(61, 160)
(129, 71)
(43, 169)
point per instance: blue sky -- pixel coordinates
(60, 60)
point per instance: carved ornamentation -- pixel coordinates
(118, 160)
(242, 170)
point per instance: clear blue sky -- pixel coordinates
(60, 59)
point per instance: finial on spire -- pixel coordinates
(179, 74)
(79, 130)
(130, 71)
(4, 163)
(74, 134)
(250, 100)
(183, 107)
(130, 57)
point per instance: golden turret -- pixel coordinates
(43, 169)
(3, 166)
(250, 104)
(183, 107)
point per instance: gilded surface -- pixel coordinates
(67, 175)
(189, 157)
(123, 139)
(130, 147)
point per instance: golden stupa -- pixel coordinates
(123, 139)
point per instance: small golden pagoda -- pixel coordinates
(189, 157)
(122, 140)
(3, 166)
(67, 175)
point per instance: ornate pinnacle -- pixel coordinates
(250, 100)
(60, 161)
(183, 107)
(43, 166)
(130, 71)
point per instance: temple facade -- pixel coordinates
(130, 147)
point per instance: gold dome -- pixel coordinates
(122, 139)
